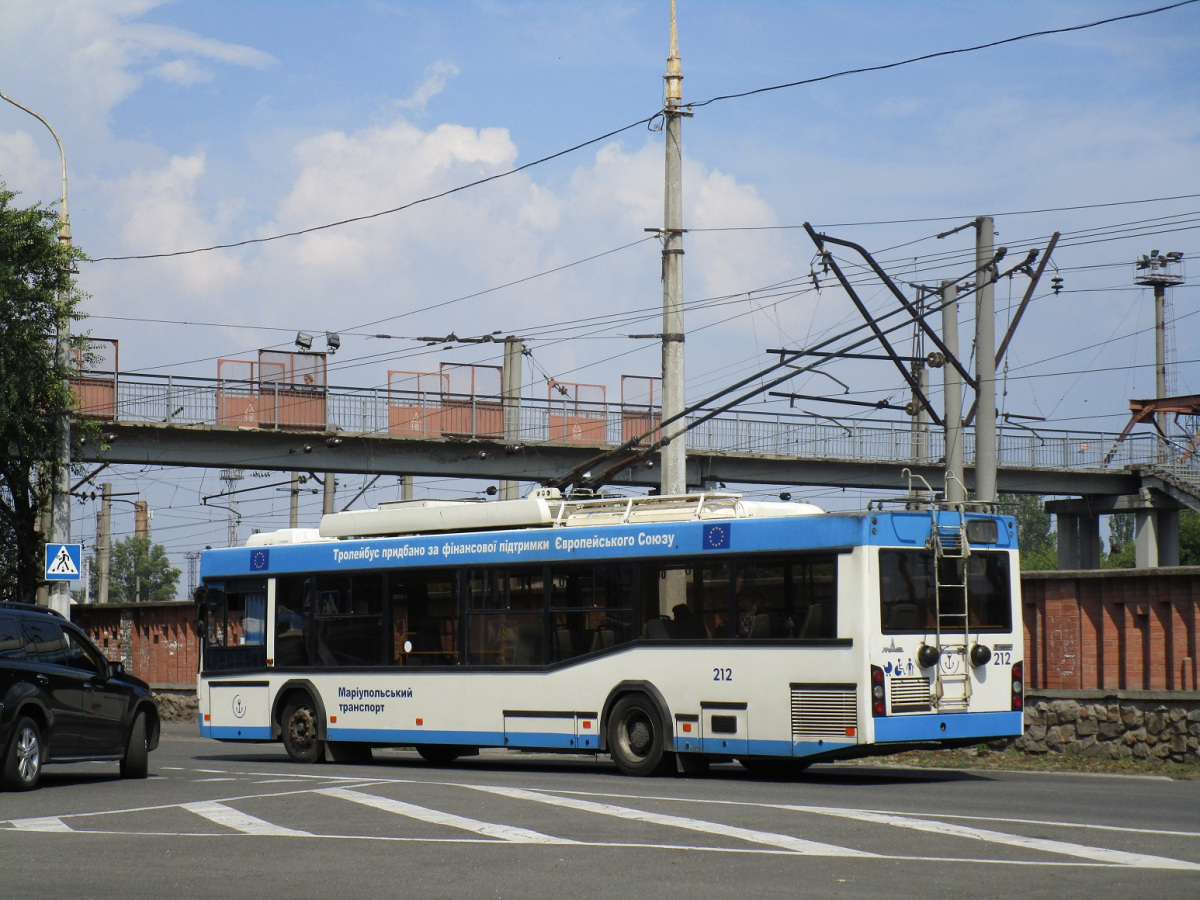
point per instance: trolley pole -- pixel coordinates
(674, 458)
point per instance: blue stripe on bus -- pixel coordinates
(411, 737)
(950, 727)
(235, 733)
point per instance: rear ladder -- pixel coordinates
(951, 551)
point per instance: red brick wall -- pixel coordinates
(1114, 629)
(154, 640)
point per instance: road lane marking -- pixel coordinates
(770, 839)
(239, 821)
(41, 823)
(437, 817)
(1099, 854)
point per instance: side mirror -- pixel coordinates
(116, 669)
(200, 598)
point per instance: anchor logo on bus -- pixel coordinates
(950, 661)
(239, 708)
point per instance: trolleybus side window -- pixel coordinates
(591, 607)
(749, 598)
(424, 617)
(506, 616)
(907, 593)
(233, 623)
(790, 598)
(349, 619)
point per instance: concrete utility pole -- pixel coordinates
(294, 505)
(510, 393)
(60, 508)
(985, 354)
(103, 543)
(141, 519)
(329, 501)
(952, 389)
(674, 454)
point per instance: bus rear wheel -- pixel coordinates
(301, 732)
(637, 738)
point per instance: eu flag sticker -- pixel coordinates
(260, 560)
(716, 537)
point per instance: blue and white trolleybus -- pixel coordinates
(663, 631)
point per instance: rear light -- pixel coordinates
(1018, 687)
(878, 707)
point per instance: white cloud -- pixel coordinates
(436, 77)
(183, 72)
(156, 211)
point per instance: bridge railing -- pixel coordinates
(186, 400)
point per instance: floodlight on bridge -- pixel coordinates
(304, 340)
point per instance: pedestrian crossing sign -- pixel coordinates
(63, 562)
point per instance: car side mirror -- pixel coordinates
(116, 669)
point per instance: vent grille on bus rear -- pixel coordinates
(819, 712)
(910, 695)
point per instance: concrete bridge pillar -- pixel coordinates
(1156, 538)
(1078, 540)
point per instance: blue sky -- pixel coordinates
(202, 122)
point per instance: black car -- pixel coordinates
(62, 701)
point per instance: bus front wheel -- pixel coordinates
(301, 732)
(637, 738)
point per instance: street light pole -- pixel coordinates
(674, 460)
(60, 507)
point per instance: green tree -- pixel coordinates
(1189, 537)
(1121, 549)
(37, 297)
(138, 572)
(1038, 544)
(1121, 553)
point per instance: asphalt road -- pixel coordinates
(227, 820)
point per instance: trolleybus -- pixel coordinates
(665, 632)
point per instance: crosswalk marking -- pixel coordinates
(240, 821)
(41, 823)
(770, 839)
(1068, 848)
(437, 817)
(357, 790)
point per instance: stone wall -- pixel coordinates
(1114, 724)
(177, 705)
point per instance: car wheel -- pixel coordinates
(136, 761)
(23, 761)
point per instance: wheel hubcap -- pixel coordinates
(640, 737)
(302, 728)
(29, 757)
